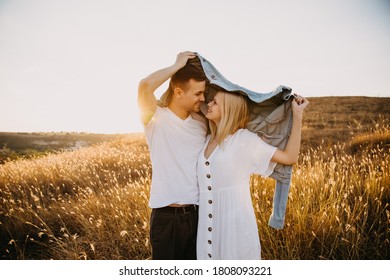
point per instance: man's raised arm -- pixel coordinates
(147, 102)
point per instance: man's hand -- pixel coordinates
(183, 57)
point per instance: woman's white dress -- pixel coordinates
(227, 226)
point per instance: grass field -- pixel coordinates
(91, 203)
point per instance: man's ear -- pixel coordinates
(177, 92)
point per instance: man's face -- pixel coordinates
(193, 95)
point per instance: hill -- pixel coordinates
(339, 119)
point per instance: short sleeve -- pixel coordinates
(150, 127)
(260, 154)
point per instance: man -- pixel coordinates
(175, 134)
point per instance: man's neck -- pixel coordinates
(183, 114)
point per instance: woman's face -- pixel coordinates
(214, 108)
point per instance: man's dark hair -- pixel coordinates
(192, 70)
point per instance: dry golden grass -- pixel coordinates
(92, 203)
(86, 204)
(338, 208)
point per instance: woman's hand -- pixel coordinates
(298, 105)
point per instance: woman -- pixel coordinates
(227, 226)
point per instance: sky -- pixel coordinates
(74, 65)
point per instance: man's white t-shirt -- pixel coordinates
(174, 146)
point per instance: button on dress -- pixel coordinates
(227, 226)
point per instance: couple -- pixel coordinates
(200, 196)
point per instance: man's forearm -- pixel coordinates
(156, 79)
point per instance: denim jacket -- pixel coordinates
(271, 119)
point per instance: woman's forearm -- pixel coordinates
(290, 154)
(294, 141)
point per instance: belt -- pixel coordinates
(178, 210)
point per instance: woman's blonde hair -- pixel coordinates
(234, 115)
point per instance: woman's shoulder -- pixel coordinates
(245, 133)
(243, 136)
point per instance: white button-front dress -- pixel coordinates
(227, 226)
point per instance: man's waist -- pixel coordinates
(178, 208)
(179, 205)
